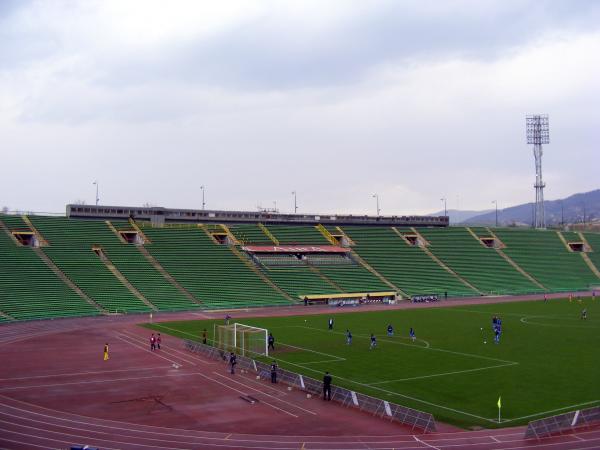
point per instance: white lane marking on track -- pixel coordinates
(150, 351)
(143, 428)
(243, 393)
(433, 349)
(74, 374)
(169, 350)
(442, 374)
(83, 437)
(194, 441)
(69, 383)
(425, 443)
(264, 393)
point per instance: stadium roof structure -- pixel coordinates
(160, 215)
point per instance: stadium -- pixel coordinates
(299, 225)
(214, 283)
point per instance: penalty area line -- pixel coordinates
(444, 374)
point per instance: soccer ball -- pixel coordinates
(485, 342)
(481, 328)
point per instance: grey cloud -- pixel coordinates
(274, 52)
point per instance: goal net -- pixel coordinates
(242, 339)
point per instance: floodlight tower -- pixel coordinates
(538, 133)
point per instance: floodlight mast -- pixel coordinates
(538, 133)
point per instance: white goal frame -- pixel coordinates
(240, 343)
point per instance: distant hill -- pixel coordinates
(574, 209)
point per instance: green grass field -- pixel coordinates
(547, 361)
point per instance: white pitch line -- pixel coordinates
(425, 402)
(472, 355)
(443, 374)
(551, 411)
(319, 362)
(339, 358)
(525, 320)
(175, 329)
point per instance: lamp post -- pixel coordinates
(495, 202)
(445, 208)
(97, 198)
(376, 197)
(295, 202)
(203, 202)
(562, 214)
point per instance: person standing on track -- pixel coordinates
(204, 336)
(327, 386)
(158, 341)
(106, 352)
(152, 342)
(271, 341)
(232, 362)
(274, 372)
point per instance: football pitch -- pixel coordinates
(546, 362)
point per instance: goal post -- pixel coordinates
(244, 339)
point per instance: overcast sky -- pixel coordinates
(337, 100)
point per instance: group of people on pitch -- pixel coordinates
(373, 338)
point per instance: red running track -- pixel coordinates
(56, 391)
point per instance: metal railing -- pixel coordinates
(375, 406)
(563, 423)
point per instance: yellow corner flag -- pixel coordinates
(499, 407)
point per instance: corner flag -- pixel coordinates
(499, 407)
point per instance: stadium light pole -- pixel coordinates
(97, 198)
(376, 197)
(538, 133)
(445, 208)
(495, 202)
(295, 202)
(203, 202)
